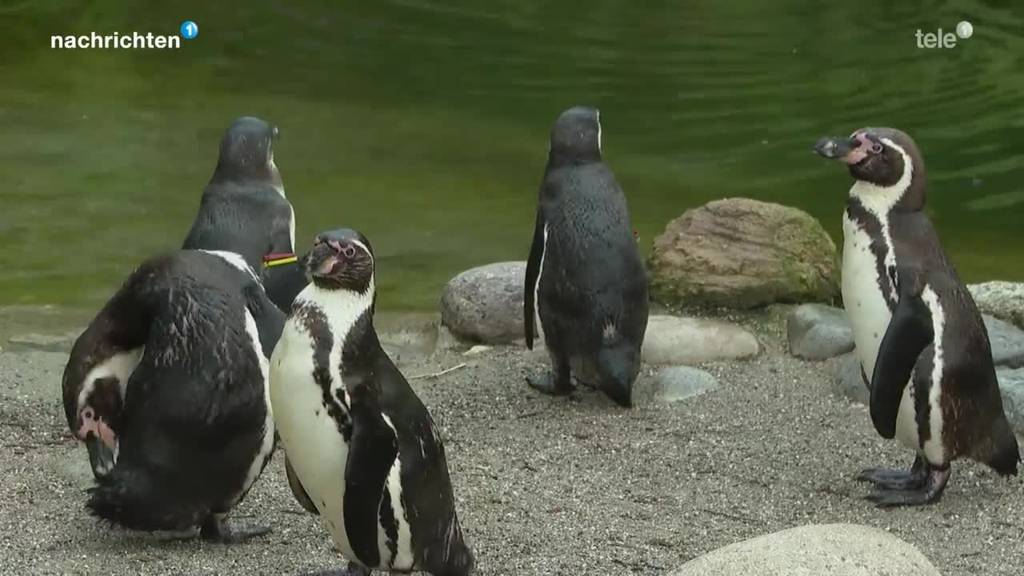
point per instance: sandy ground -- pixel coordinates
(544, 486)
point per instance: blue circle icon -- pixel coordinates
(189, 29)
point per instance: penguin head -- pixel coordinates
(341, 260)
(885, 159)
(576, 137)
(92, 405)
(247, 150)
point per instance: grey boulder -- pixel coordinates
(1011, 385)
(814, 550)
(1007, 342)
(818, 332)
(849, 381)
(1004, 300)
(485, 304)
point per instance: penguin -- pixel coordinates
(362, 450)
(584, 276)
(244, 210)
(168, 388)
(918, 332)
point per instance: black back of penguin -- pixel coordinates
(244, 210)
(590, 272)
(194, 431)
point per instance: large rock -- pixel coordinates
(814, 550)
(817, 332)
(1011, 384)
(485, 304)
(1007, 342)
(671, 340)
(742, 253)
(1004, 300)
(672, 384)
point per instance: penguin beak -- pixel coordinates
(848, 150)
(324, 257)
(101, 456)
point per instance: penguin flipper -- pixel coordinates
(269, 319)
(532, 277)
(371, 454)
(301, 496)
(909, 333)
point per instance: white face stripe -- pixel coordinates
(598, 130)
(934, 449)
(233, 259)
(365, 249)
(120, 365)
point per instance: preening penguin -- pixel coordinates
(361, 448)
(918, 332)
(584, 277)
(244, 210)
(168, 388)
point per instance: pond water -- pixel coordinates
(424, 124)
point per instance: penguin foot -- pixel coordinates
(548, 384)
(353, 569)
(929, 493)
(894, 479)
(216, 529)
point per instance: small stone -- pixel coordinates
(672, 384)
(818, 332)
(672, 340)
(814, 550)
(485, 304)
(1007, 342)
(475, 350)
(848, 382)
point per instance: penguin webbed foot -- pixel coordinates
(353, 569)
(218, 530)
(548, 383)
(883, 478)
(929, 492)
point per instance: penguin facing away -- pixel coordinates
(918, 332)
(244, 210)
(362, 450)
(584, 276)
(168, 389)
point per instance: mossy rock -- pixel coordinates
(742, 253)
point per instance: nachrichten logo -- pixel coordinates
(125, 41)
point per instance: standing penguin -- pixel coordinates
(168, 388)
(244, 210)
(362, 450)
(918, 332)
(584, 276)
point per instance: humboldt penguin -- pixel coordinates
(244, 210)
(918, 332)
(584, 277)
(361, 448)
(168, 388)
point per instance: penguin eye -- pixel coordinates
(348, 251)
(876, 148)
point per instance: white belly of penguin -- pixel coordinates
(869, 317)
(319, 453)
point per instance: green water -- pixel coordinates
(424, 124)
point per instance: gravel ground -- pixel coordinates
(544, 486)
